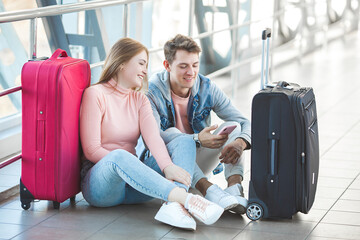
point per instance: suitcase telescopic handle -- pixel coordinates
(58, 53)
(265, 36)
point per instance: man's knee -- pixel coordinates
(186, 142)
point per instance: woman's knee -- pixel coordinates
(117, 157)
(107, 169)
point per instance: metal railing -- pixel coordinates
(33, 14)
(54, 10)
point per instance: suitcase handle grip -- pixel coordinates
(266, 33)
(58, 53)
(273, 157)
(283, 84)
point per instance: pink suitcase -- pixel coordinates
(51, 96)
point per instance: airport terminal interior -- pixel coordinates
(314, 43)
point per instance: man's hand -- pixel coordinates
(176, 173)
(233, 151)
(211, 141)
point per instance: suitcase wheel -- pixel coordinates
(25, 206)
(56, 205)
(254, 211)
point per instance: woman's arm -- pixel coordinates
(153, 140)
(151, 134)
(91, 114)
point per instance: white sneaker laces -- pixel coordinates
(183, 210)
(198, 204)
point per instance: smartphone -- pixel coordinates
(227, 130)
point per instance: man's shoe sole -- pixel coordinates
(231, 206)
(239, 209)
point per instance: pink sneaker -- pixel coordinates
(174, 214)
(202, 209)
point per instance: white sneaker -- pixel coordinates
(204, 210)
(220, 197)
(237, 191)
(174, 214)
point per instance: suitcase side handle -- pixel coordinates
(58, 53)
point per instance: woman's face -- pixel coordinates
(133, 72)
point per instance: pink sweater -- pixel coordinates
(181, 117)
(112, 117)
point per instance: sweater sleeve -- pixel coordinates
(91, 114)
(151, 135)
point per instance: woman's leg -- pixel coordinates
(182, 152)
(106, 183)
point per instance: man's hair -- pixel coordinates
(179, 42)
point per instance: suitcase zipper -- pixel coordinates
(300, 113)
(309, 104)
(57, 119)
(311, 125)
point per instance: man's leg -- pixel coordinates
(208, 159)
(234, 174)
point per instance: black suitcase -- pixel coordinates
(285, 148)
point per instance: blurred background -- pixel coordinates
(228, 32)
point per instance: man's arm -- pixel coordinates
(223, 107)
(225, 110)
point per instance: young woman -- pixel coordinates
(113, 115)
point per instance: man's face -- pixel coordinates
(183, 72)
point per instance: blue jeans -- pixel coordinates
(121, 178)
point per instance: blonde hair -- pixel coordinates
(120, 53)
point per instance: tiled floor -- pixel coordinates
(334, 75)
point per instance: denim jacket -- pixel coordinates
(205, 96)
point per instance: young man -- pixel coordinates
(182, 100)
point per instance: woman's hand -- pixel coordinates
(176, 173)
